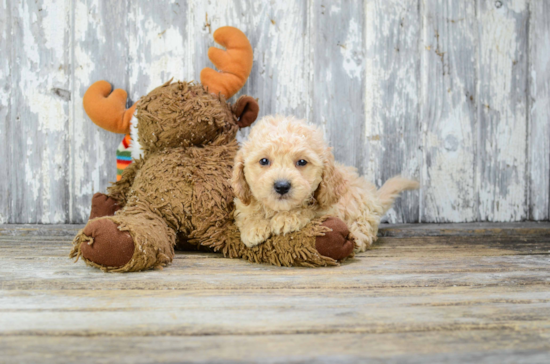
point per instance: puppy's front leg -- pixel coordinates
(256, 233)
(254, 230)
(363, 235)
(285, 222)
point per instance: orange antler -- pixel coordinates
(234, 64)
(108, 111)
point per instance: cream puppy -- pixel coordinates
(285, 176)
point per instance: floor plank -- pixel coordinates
(261, 312)
(360, 273)
(483, 346)
(425, 293)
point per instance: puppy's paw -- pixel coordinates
(255, 234)
(284, 223)
(363, 238)
(361, 244)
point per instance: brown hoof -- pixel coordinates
(335, 244)
(110, 247)
(103, 205)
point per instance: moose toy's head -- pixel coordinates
(183, 114)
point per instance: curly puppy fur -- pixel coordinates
(319, 187)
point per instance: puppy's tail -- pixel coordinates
(392, 188)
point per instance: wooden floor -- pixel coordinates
(426, 293)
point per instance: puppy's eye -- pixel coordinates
(264, 162)
(301, 163)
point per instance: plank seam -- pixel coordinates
(309, 51)
(421, 123)
(9, 117)
(477, 125)
(72, 116)
(527, 94)
(381, 329)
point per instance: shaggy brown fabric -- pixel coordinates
(153, 241)
(182, 114)
(294, 249)
(103, 205)
(181, 188)
(120, 189)
(337, 245)
(106, 245)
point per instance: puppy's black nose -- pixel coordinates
(281, 187)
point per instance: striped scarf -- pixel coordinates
(123, 156)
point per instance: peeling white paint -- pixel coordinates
(40, 109)
(352, 51)
(54, 20)
(152, 43)
(391, 98)
(81, 23)
(33, 184)
(502, 193)
(539, 127)
(158, 52)
(286, 44)
(448, 114)
(49, 110)
(30, 47)
(5, 117)
(517, 6)
(136, 149)
(451, 176)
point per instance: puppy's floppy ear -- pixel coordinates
(238, 182)
(246, 109)
(332, 186)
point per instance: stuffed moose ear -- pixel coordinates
(246, 109)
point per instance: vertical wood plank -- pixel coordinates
(278, 33)
(39, 119)
(158, 45)
(355, 68)
(392, 144)
(338, 84)
(5, 101)
(502, 87)
(206, 17)
(539, 110)
(209, 16)
(280, 75)
(100, 52)
(448, 110)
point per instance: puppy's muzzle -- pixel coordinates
(282, 187)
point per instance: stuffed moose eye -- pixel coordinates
(264, 162)
(301, 163)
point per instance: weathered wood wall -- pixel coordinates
(453, 93)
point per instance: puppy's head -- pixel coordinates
(286, 164)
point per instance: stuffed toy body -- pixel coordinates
(179, 191)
